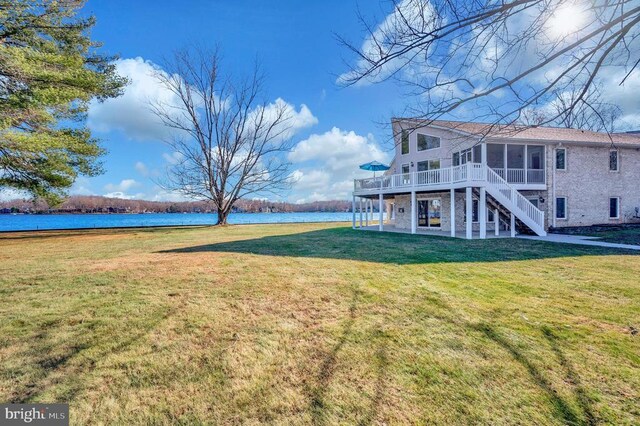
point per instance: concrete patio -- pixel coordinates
(433, 232)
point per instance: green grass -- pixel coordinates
(628, 235)
(318, 324)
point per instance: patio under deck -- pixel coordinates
(434, 232)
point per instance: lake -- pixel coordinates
(29, 222)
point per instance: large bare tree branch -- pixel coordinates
(501, 59)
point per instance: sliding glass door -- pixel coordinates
(429, 213)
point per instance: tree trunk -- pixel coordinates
(222, 216)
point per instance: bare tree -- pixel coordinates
(589, 113)
(229, 143)
(498, 60)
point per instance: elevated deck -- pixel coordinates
(469, 175)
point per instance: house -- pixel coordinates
(506, 179)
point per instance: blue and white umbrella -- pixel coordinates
(374, 166)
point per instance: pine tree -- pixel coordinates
(49, 72)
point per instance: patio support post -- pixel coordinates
(353, 210)
(360, 212)
(496, 220)
(366, 212)
(469, 201)
(413, 212)
(512, 227)
(482, 212)
(380, 211)
(453, 213)
(371, 210)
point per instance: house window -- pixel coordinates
(490, 216)
(561, 207)
(427, 142)
(405, 142)
(456, 158)
(406, 177)
(561, 159)
(474, 211)
(614, 208)
(428, 165)
(613, 160)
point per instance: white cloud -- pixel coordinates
(8, 194)
(391, 35)
(623, 95)
(123, 195)
(172, 158)
(82, 186)
(142, 168)
(161, 194)
(327, 164)
(123, 186)
(145, 171)
(130, 112)
(132, 115)
(292, 121)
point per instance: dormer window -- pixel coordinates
(426, 142)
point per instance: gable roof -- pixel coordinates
(550, 134)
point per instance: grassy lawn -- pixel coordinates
(630, 235)
(318, 324)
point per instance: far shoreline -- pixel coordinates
(195, 225)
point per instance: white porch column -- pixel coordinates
(380, 211)
(360, 212)
(353, 209)
(371, 210)
(414, 213)
(366, 212)
(496, 221)
(482, 213)
(483, 153)
(526, 165)
(469, 201)
(453, 213)
(512, 227)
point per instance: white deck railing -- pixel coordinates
(449, 175)
(492, 179)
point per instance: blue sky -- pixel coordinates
(336, 128)
(296, 45)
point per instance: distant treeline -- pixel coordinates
(97, 204)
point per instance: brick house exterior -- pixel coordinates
(563, 177)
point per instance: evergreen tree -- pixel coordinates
(49, 72)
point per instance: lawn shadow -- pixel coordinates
(317, 395)
(562, 408)
(71, 360)
(327, 368)
(571, 376)
(346, 243)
